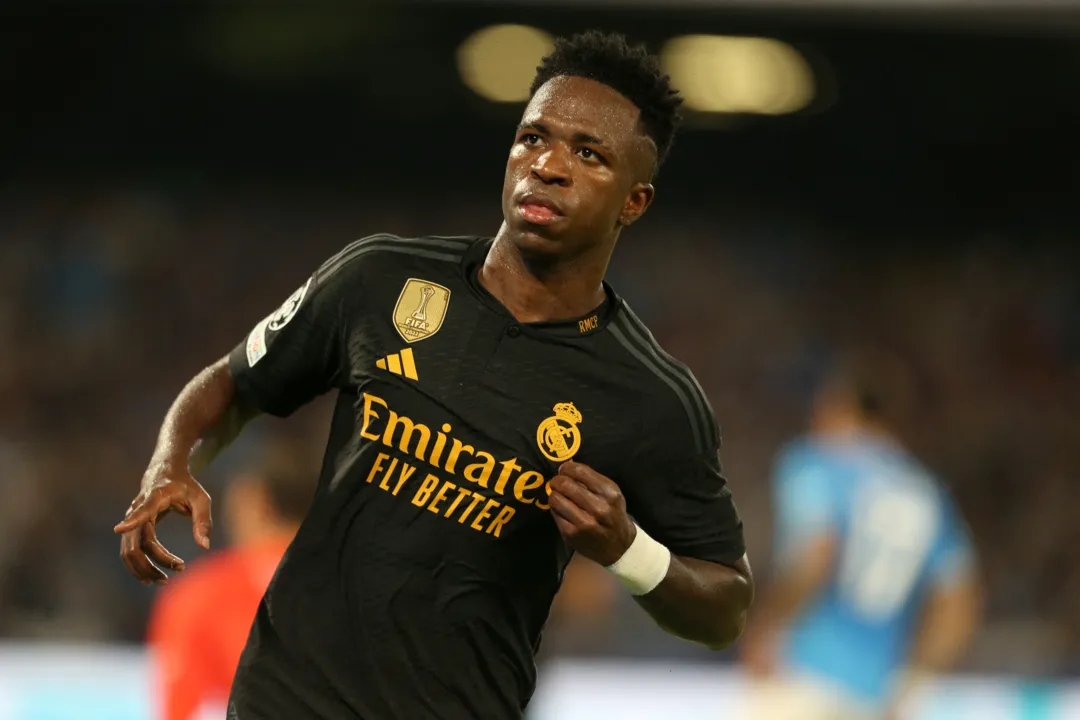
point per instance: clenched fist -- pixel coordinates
(590, 512)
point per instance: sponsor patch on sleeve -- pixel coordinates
(256, 343)
(274, 322)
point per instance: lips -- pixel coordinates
(539, 209)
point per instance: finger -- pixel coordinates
(146, 510)
(133, 520)
(124, 557)
(566, 509)
(581, 496)
(566, 528)
(202, 523)
(157, 553)
(136, 561)
(599, 484)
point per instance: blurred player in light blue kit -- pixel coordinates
(875, 587)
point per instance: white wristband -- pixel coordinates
(643, 566)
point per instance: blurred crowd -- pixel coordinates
(113, 300)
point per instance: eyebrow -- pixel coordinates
(578, 137)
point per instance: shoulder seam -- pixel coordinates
(434, 249)
(680, 369)
(695, 426)
(639, 341)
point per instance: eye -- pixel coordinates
(589, 154)
(530, 138)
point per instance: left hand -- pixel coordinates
(590, 512)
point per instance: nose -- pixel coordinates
(552, 167)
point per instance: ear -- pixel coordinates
(637, 202)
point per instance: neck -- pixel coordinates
(541, 288)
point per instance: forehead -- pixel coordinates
(578, 104)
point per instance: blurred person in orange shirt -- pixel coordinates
(201, 620)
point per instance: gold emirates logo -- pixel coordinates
(481, 497)
(558, 436)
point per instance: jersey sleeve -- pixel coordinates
(298, 352)
(953, 556)
(685, 503)
(805, 500)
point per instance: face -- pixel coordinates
(578, 171)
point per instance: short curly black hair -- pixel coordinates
(631, 70)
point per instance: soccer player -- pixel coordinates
(200, 622)
(875, 587)
(499, 408)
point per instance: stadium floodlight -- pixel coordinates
(721, 74)
(499, 62)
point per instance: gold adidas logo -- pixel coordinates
(399, 363)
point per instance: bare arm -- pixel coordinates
(289, 358)
(949, 620)
(948, 624)
(696, 600)
(800, 582)
(206, 409)
(203, 420)
(702, 601)
(802, 579)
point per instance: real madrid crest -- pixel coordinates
(420, 309)
(558, 436)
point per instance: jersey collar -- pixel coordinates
(588, 324)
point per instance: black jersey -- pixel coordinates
(420, 582)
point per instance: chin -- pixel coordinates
(537, 248)
(536, 237)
